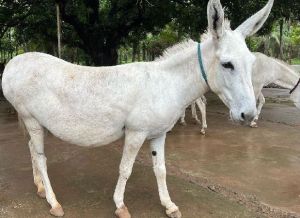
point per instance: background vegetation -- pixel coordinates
(107, 32)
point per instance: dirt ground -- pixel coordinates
(233, 171)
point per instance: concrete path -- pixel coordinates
(233, 171)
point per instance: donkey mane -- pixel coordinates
(285, 64)
(281, 63)
(187, 43)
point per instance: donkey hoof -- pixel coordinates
(175, 214)
(122, 212)
(41, 193)
(202, 131)
(57, 211)
(253, 125)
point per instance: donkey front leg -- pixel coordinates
(133, 142)
(158, 158)
(261, 102)
(36, 145)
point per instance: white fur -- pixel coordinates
(255, 22)
(93, 106)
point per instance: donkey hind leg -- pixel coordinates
(133, 142)
(261, 102)
(194, 113)
(158, 159)
(36, 133)
(202, 106)
(36, 174)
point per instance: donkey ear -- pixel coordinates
(256, 21)
(215, 16)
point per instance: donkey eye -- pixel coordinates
(228, 65)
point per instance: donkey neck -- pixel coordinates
(184, 68)
(287, 77)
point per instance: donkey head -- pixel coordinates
(230, 75)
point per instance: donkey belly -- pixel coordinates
(84, 135)
(93, 128)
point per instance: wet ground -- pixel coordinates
(233, 171)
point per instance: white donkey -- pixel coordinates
(94, 106)
(266, 70)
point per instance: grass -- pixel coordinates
(296, 61)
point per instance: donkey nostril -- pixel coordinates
(243, 116)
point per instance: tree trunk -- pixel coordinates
(77, 56)
(107, 56)
(144, 51)
(138, 51)
(58, 20)
(134, 51)
(126, 59)
(120, 57)
(281, 40)
(152, 56)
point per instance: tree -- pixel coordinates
(12, 13)
(58, 30)
(103, 26)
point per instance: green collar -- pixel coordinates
(201, 63)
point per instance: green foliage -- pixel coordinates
(270, 44)
(295, 34)
(254, 43)
(295, 61)
(167, 37)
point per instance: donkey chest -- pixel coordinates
(154, 118)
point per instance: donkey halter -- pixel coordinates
(295, 87)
